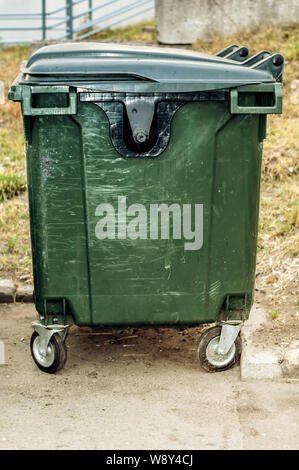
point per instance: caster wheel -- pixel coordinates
(208, 355)
(56, 353)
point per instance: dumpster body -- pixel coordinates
(143, 169)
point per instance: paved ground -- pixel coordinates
(269, 351)
(143, 392)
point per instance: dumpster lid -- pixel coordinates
(117, 67)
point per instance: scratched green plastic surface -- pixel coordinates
(213, 158)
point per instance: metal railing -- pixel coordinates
(64, 19)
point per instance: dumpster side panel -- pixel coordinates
(54, 167)
(234, 219)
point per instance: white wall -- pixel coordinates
(183, 21)
(35, 6)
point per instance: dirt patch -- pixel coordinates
(144, 344)
(281, 330)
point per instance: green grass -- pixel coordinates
(15, 255)
(11, 185)
(274, 314)
(12, 158)
(141, 32)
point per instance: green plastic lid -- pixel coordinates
(115, 67)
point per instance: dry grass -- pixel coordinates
(277, 266)
(15, 255)
(142, 32)
(12, 159)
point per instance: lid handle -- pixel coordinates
(275, 88)
(28, 110)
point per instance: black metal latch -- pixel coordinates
(140, 112)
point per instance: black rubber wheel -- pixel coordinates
(207, 351)
(56, 353)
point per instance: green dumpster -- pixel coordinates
(143, 168)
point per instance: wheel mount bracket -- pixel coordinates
(46, 332)
(229, 333)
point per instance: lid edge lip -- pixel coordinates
(256, 75)
(151, 87)
(139, 80)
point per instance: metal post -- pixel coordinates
(90, 13)
(69, 18)
(44, 14)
